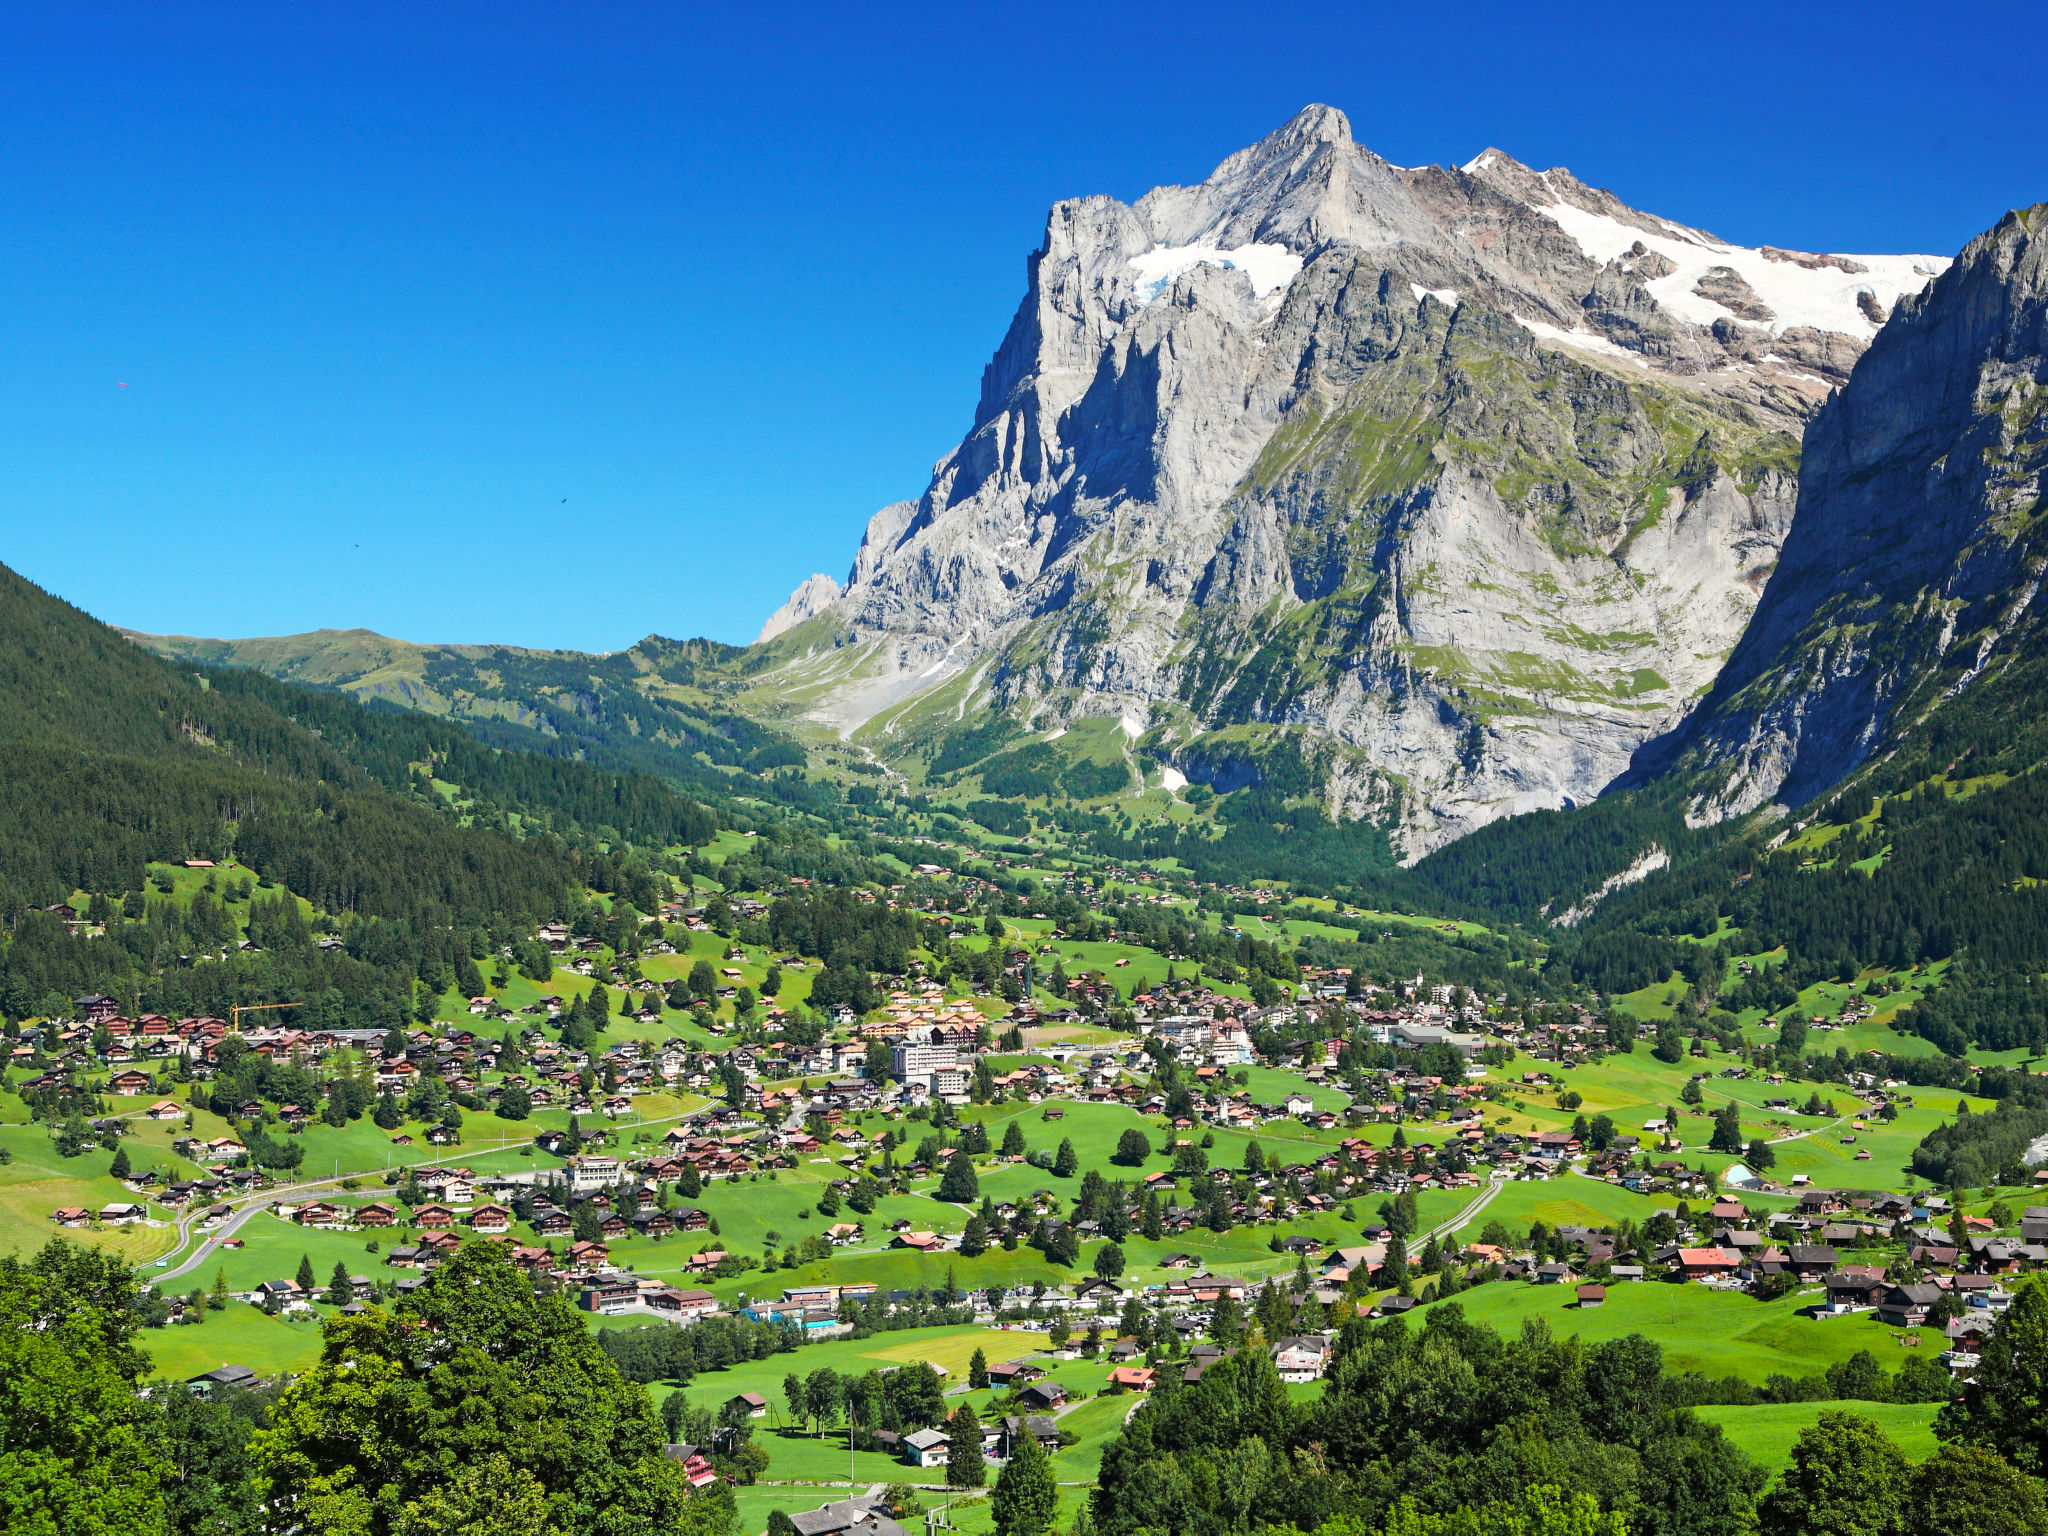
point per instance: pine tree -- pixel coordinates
(119, 1168)
(964, 1466)
(339, 1291)
(305, 1275)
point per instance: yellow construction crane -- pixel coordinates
(236, 1010)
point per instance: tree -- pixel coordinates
(964, 1466)
(377, 1419)
(1109, 1261)
(1026, 1498)
(1727, 1135)
(958, 1184)
(2004, 1406)
(1846, 1479)
(1065, 1161)
(79, 1451)
(974, 1241)
(207, 1441)
(1690, 1093)
(119, 1168)
(1013, 1140)
(1971, 1490)
(1132, 1148)
(514, 1102)
(340, 1292)
(1759, 1154)
(977, 1369)
(305, 1275)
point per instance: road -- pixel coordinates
(269, 1197)
(1494, 1184)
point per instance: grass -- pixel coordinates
(1719, 1333)
(1766, 1430)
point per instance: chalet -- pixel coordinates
(1013, 1373)
(71, 1216)
(752, 1404)
(684, 1306)
(1134, 1378)
(1041, 1427)
(491, 1218)
(925, 1448)
(1301, 1359)
(698, 1472)
(1706, 1263)
(433, 1218)
(225, 1378)
(1042, 1396)
(1908, 1306)
(1592, 1295)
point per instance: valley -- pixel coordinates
(1409, 900)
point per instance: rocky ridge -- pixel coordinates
(1913, 569)
(1453, 485)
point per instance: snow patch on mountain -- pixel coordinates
(1270, 267)
(1821, 295)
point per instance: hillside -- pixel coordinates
(113, 761)
(653, 707)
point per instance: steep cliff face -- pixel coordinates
(1462, 482)
(1912, 572)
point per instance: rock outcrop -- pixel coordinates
(813, 595)
(1914, 562)
(1452, 485)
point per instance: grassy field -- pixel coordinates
(1719, 1333)
(1766, 1430)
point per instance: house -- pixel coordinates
(1134, 1378)
(1592, 1295)
(71, 1216)
(844, 1519)
(1706, 1263)
(122, 1213)
(698, 1471)
(1013, 1373)
(925, 1448)
(1301, 1359)
(1042, 1395)
(491, 1218)
(1041, 1427)
(1908, 1306)
(226, 1378)
(685, 1306)
(128, 1084)
(752, 1404)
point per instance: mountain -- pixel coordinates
(646, 708)
(111, 758)
(1427, 495)
(1908, 591)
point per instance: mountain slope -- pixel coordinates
(1910, 583)
(639, 709)
(1445, 488)
(111, 758)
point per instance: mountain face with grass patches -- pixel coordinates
(1908, 594)
(1431, 492)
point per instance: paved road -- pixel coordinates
(270, 1197)
(1494, 1184)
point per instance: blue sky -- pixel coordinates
(564, 325)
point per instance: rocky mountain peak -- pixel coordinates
(1460, 482)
